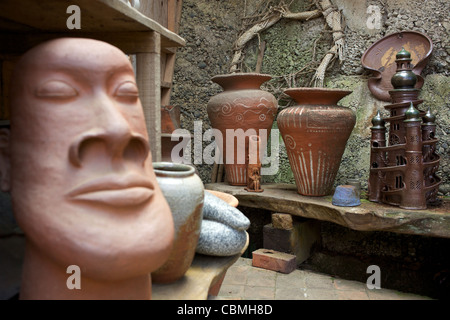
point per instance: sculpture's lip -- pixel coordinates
(115, 190)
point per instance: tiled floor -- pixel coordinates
(244, 282)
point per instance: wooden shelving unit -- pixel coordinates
(26, 23)
(168, 14)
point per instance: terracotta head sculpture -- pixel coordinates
(78, 166)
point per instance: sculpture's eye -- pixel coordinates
(128, 91)
(56, 89)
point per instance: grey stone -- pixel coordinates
(219, 210)
(217, 239)
(223, 228)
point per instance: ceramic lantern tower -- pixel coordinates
(403, 173)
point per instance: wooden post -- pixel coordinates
(174, 14)
(148, 79)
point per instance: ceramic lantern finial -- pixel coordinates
(429, 118)
(377, 121)
(404, 77)
(412, 114)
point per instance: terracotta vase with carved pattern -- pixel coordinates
(240, 111)
(315, 131)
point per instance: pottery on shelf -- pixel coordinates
(380, 57)
(357, 184)
(223, 231)
(346, 196)
(242, 105)
(184, 192)
(170, 138)
(170, 119)
(254, 165)
(315, 131)
(403, 157)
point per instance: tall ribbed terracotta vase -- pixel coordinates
(242, 105)
(315, 132)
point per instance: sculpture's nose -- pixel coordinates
(111, 135)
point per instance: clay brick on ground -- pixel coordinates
(274, 260)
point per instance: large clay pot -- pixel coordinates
(315, 132)
(184, 192)
(242, 105)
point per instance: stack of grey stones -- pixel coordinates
(223, 231)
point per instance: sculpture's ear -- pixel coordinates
(5, 165)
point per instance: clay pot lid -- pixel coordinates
(380, 57)
(315, 96)
(241, 80)
(228, 198)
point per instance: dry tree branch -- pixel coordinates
(269, 18)
(305, 15)
(248, 35)
(271, 15)
(333, 18)
(319, 76)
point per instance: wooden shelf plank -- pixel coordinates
(96, 16)
(369, 216)
(14, 44)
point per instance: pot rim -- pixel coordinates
(316, 96)
(241, 80)
(171, 169)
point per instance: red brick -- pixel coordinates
(274, 260)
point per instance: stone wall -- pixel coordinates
(211, 27)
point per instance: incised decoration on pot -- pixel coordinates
(315, 132)
(241, 110)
